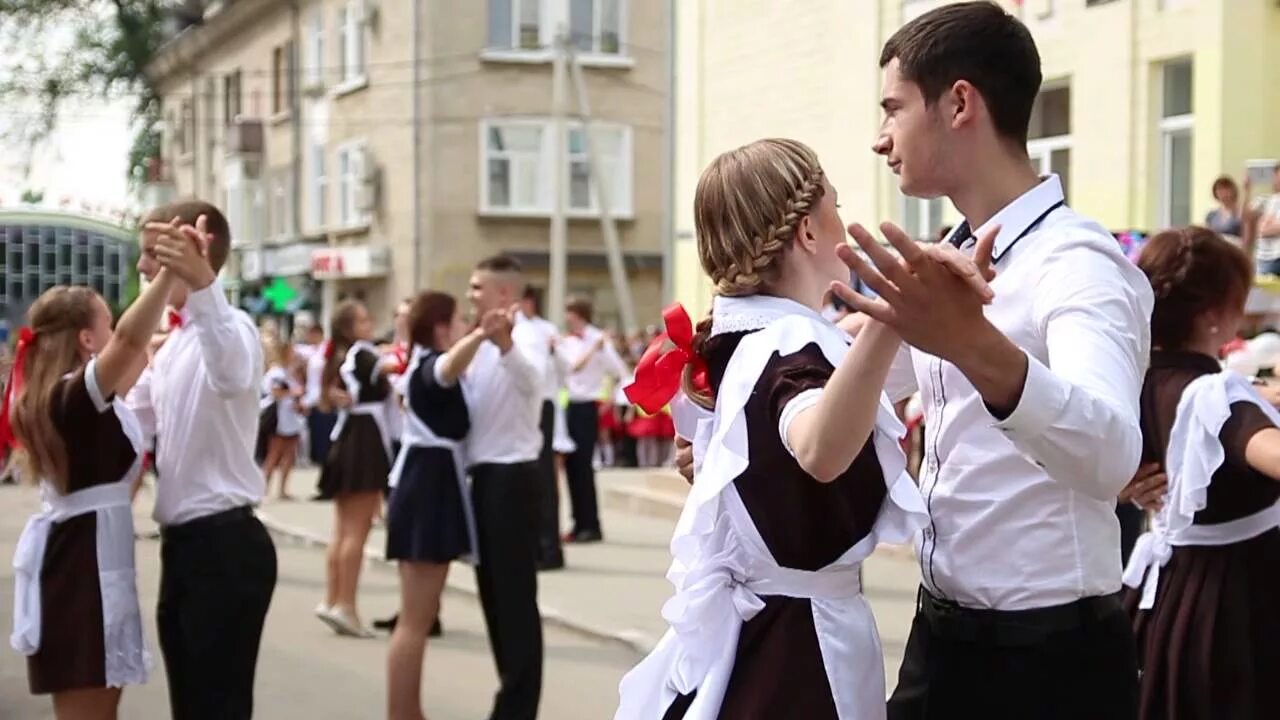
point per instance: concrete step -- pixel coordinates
(651, 492)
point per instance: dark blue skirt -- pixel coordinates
(426, 518)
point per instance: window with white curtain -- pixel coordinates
(350, 181)
(351, 42)
(595, 26)
(315, 76)
(515, 25)
(317, 186)
(517, 157)
(1177, 123)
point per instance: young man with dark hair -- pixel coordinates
(503, 388)
(1031, 401)
(590, 356)
(199, 399)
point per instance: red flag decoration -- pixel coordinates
(658, 373)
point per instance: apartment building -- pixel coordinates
(1144, 103)
(372, 148)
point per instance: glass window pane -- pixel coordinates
(582, 24)
(610, 26)
(911, 218)
(499, 182)
(577, 141)
(1177, 89)
(579, 185)
(1060, 165)
(527, 182)
(500, 23)
(516, 138)
(530, 10)
(1179, 179)
(1051, 114)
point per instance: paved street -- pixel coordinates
(601, 613)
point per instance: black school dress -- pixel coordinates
(1210, 646)
(359, 459)
(427, 513)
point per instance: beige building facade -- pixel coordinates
(372, 149)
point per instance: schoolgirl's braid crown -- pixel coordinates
(747, 207)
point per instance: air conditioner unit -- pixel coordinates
(245, 136)
(313, 86)
(369, 182)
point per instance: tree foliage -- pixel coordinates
(60, 49)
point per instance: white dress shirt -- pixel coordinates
(504, 396)
(289, 421)
(546, 333)
(199, 398)
(311, 395)
(587, 384)
(1023, 509)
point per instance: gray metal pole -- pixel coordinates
(558, 261)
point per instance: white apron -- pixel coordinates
(417, 435)
(1195, 452)
(721, 565)
(375, 410)
(126, 661)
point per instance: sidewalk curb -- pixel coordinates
(632, 640)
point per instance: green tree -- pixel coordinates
(32, 197)
(59, 49)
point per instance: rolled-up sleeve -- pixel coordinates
(229, 343)
(1077, 416)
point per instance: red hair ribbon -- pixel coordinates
(175, 320)
(328, 349)
(658, 373)
(26, 337)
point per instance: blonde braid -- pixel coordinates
(744, 274)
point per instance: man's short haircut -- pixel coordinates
(188, 211)
(978, 42)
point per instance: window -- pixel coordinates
(515, 24)
(1049, 136)
(185, 131)
(1176, 143)
(518, 166)
(231, 97)
(282, 204)
(315, 51)
(351, 185)
(317, 186)
(282, 78)
(596, 25)
(612, 145)
(921, 217)
(351, 45)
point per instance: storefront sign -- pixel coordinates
(337, 263)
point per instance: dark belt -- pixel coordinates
(1007, 628)
(193, 528)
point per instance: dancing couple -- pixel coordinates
(1026, 332)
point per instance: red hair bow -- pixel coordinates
(658, 373)
(25, 339)
(328, 349)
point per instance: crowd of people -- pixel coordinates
(1056, 378)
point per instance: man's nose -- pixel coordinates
(882, 145)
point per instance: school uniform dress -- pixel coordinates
(429, 517)
(768, 618)
(289, 421)
(1205, 580)
(200, 400)
(1020, 563)
(360, 457)
(76, 614)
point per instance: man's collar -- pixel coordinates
(1016, 218)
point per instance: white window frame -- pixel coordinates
(315, 74)
(1041, 153)
(551, 14)
(514, 48)
(597, 18)
(350, 175)
(353, 48)
(624, 193)
(923, 209)
(317, 187)
(1171, 128)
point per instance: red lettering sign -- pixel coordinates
(324, 263)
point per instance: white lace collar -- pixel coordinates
(753, 312)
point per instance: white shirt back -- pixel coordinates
(546, 333)
(199, 398)
(1023, 509)
(504, 396)
(587, 384)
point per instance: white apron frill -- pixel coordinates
(376, 410)
(721, 565)
(1195, 452)
(417, 435)
(127, 660)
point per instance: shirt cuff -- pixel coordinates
(101, 402)
(208, 303)
(1044, 397)
(798, 404)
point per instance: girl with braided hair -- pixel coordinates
(1204, 589)
(803, 474)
